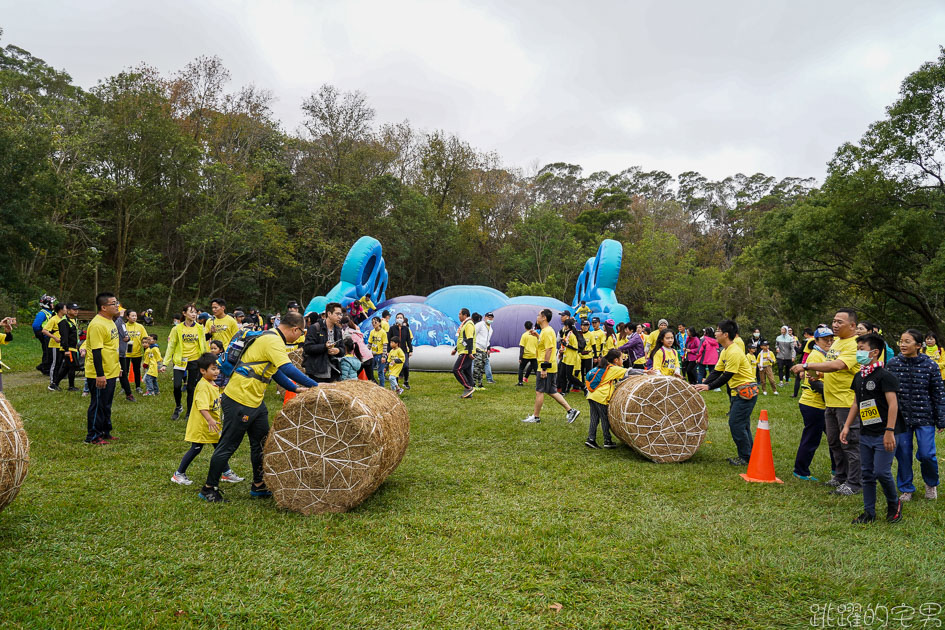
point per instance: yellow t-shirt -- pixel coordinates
(752, 360)
(665, 361)
(135, 332)
(765, 358)
(548, 339)
(52, 327)
(190, 341)
(530, 343)
(605, 391)
(395, 368)
(102, 334)
(733, 359)
(3, 342)
(837, 392)
(808, 396)
(938, 355)
(225, 328)
(650, 340)
(152, 357)
(466, 330)
(268, 352)
(610, 342)
(570, 357)
(595, 339)
(386, 325)
(377, 340)
(739, 342)
(582, 312)
(206, 396)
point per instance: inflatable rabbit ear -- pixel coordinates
(598, 282)
(363, 273)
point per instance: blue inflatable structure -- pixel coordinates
(434, 318)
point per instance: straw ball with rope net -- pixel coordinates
(14, 452)
(332, 446)
(661, 417)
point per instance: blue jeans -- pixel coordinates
(876, 465)
(489, 378)
(151, 384)
(739, 423)
(99, 415)
(380, 369)
(928, 464)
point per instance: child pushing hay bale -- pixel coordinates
(14, 452)
(332, 446)
(660, 417)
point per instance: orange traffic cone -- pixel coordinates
(131, 372)
(362, 376)
(288, 396)
(761, 464)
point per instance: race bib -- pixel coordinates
(869, 414)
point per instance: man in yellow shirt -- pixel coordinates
(263, 360)
(839, 367)
(527, 354)
(101, 369)
(734, 368)
(51, 331)
(466, 349)
(221, 326)
(547, 370)
(596, 339)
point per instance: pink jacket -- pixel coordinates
(710, 351)
(358, 337)
(693, 346)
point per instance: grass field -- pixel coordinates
(486, 523)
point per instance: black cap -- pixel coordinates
(584, 322)
(595, 319)
(564, 313)
(72, 306)
(489, 314)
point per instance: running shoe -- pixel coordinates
(231, 477)
(572, 415)
(260, 492)
(177, 412)
(863, 519)
(181, 479)
(531, 420)
(591, 444)
(467, 393)
(894, 512)
(805, 477)
(211, 495)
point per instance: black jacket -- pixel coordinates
(317, 361)
(401, 332)
(68, 334)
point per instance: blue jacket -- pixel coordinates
(40, 319)
(921, 392)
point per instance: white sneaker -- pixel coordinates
(905, 496)
(231, 476)
(532, 420)
(931, 492)
(183, 480)
(775, 393)
(764, 393)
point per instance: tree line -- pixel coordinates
(175, 188)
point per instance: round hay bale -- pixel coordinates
(296, 357)
(661, 417)
(332, 446)
(14, 452)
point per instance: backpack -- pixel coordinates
(595, 377)
(230, 361)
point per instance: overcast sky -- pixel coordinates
(717, 87)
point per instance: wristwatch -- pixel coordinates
(804, 365)
(890, 428)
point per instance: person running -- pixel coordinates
(101, 369)
(186, 343)
(136, 333)
(922, 408)
(245, 413)
(69, 343)
(527, 354)
(221, 326)
(51, 331)
(812, 405)
(483, 328)
(548, 368)
(875, 410)
(838, 369)
(465, 349)
(734, 370)
(663, 357)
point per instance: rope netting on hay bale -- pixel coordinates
(14, 452)
(661, 417)
(296, 356)
(332, 446)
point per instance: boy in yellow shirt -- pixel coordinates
(153, 365)
(204, 422)
(396, 359)
(377, 340)
(766, 360)
(600, 384)
(527, 354)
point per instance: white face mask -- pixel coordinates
(488, 322)
(400, 320)
(757, 335)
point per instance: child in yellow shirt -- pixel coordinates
(395, 361)
(601, 382)
(153, 365)
(204, 422)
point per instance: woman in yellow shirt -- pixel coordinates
(187, 342)
(664, 356)
(934, 350)
(136, 333)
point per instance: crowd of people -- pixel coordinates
(872, 404)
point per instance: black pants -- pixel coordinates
(784, 369)
(526, 367)
(135, 362)
(570, 379)
(99, 416)
(67, 368)
(193, 377)
(692, 372)
(405, 372)
(797, 384)
(368, 367)
(462, 370)
(195, 449)
(123, 377)
(44, 361)
(586, 365)
(239, 420)
(598, 415)
(55, 363)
